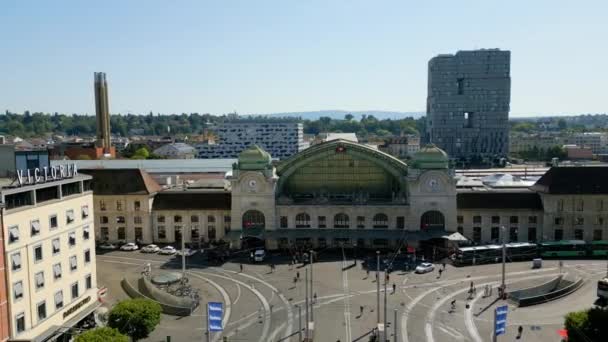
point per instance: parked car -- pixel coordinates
(129, 246)
(425, 267)
(150, 249)
(107, 246)
(259, 255)
(167, 250)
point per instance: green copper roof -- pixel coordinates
(430, 157)
(254, 158)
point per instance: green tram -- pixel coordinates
(599, 248)
(563, 248)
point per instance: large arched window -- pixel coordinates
(432, 219)
(341, 221)
(302, 220)
(253, 219)
(380, 221)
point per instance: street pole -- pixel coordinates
(503, 285)
(385, 318)
(378, 288)
(312, 304)
(208, 333)
(299, 323)
(183, 258)
(395, 330)
(306, 328)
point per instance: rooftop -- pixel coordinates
(574, 180)
(192, 200)
(122, 182)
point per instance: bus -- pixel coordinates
(517, 251)
(599, 248)
(602, 288)
(563, 248)
(476, 255)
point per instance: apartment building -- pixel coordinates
(49, 252)
(596, 141)
(401, 147)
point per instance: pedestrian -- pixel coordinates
(440, 271)
(443, 264)
(394, 288)
(361, 310)
(367, 273)
(298, 275)
(453, 303)
(314, 298)
(387, 277)
(520, 330)
(241, 266)
(471, 287)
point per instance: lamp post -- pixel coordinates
(503, 285)
(378, 288)
(312, 303)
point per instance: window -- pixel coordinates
(53, 222)
(177, 218)
(514, 220)
(360, 221)
(88, 282)
(597, 234)
(341, 221)
(75, 290)
(599, 221)
(103, 219)
(105, 233)
(302, 220)
(476, 219)
(162, 232)
(58, 300)
(13, 234)
(495, 234)
(321, 223)
(87, 256)
(137, 205)
(532, 219)
(513, 234)
(211, 219)
(35, 227)
(139, 234)
(86, 233)
(283, 223)
(57, 271)
(400, 222)
(194, 219)
(322, 242)
(56, 244)
(39, 278)
(558, 234)
(72, 239)
(38, 253)
(460, 84)
(477, 234)
(122, 235)
(211, 233)
(460, 229)
(102, 205)
(41, 311)
(227, 219)
(120, 219)
(69, 216)
(194, 233)
(137, 219)
(73, 263)
(160, 219)
(599, 205)
(85, 211)
(495, 219)
(578, 234)
(20, 323)
(459, 219)
(580, 205)
(560, 205)
(16, 261)
(579, 221)
(559, 221)
(531, 234)
(18, 290)
(252, 219)
(380, 221)
(119, 205)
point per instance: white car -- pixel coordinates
(188, 252)
(150, 249)
(129, 246)
(107, 245)
(167, 250)
(425, 267)
(259, 255)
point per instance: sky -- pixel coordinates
(261, 56)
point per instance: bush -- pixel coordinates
(136, 318)
(587, 325)
(102, 335)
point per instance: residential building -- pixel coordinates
(401, 147)
(176, 151)
(281, 138)
(49, 251)
(575, 152)
(123, 204)
(468, 103)
(597, 142)
(520, 142)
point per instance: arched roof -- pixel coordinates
(430, 157)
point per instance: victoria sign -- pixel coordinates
(45, 174)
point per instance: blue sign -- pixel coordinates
(500, 320)
(215, 311)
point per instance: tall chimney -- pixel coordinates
(102, 112)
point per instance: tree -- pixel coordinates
(104, 334)
(348, 117)
(135, 317)
(561, 124)
(587, 325)
(141, 153)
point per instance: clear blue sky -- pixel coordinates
(261, 56)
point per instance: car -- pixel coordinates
(425, 267)
(129, 246)
(150, 249)
(188, 252)
(259, 255)
(167, 250)
(107, 246)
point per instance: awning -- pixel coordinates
(57, 270)
(39, 279)
(73, 262)
(56, 246)
(59, 298)
(70, 215)
(455, 237)
(18, 289)
(16, 260)
(35, 227)
(85, 211)
(14, 233)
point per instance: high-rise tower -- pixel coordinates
(102, 112)
(468, 103)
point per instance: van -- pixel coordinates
(259, 255)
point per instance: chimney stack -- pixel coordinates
(102, 112)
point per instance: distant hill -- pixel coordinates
(339, 114)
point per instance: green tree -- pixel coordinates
(135, 317)
(348, 117)
(141, 153)
(587, 325)
(561, 124)
(104, 334)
